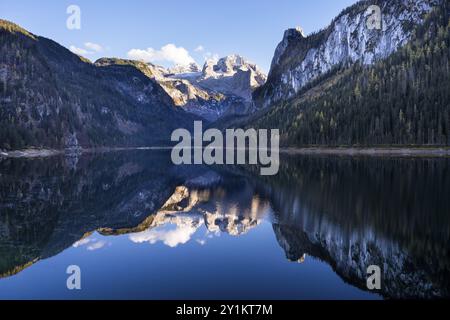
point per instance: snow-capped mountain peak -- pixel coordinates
(180, 69)
(222, 87)
(229, 66)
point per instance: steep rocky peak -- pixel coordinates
(291, 36)
(296, 32)
(230, 63)
(229, 66)
(348, 39)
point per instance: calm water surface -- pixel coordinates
(141, 228)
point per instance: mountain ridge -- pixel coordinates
(52, 98)
(220, 88)
(298, 59)
(334, 87)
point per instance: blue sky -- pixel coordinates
(202, 28)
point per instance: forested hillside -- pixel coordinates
(404, 99)
(52, 98)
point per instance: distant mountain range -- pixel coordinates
(221, 88)
(343, 85)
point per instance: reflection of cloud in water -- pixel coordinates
(201, 242)
(81, 243)
(171, 235)
(91, 243)
(96, 245)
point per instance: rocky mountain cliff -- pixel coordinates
(53, 98)
(299, 59)
(229, 82)
(232, 74)
(221, 88)
(349, 95)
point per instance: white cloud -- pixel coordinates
(200, 48)
(93, 46)
(169, 53)
(89, 48)
(79, 51)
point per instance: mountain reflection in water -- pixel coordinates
(348, 213)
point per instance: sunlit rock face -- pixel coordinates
(181, 69)
(222, 88)
(232, 74)
(299, 59)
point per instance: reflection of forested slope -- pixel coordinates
(46, 205)
(354, 212)
(404, 275)
(405, 200)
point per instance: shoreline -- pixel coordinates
(45, 153)
(30, 153)
(424, 151)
